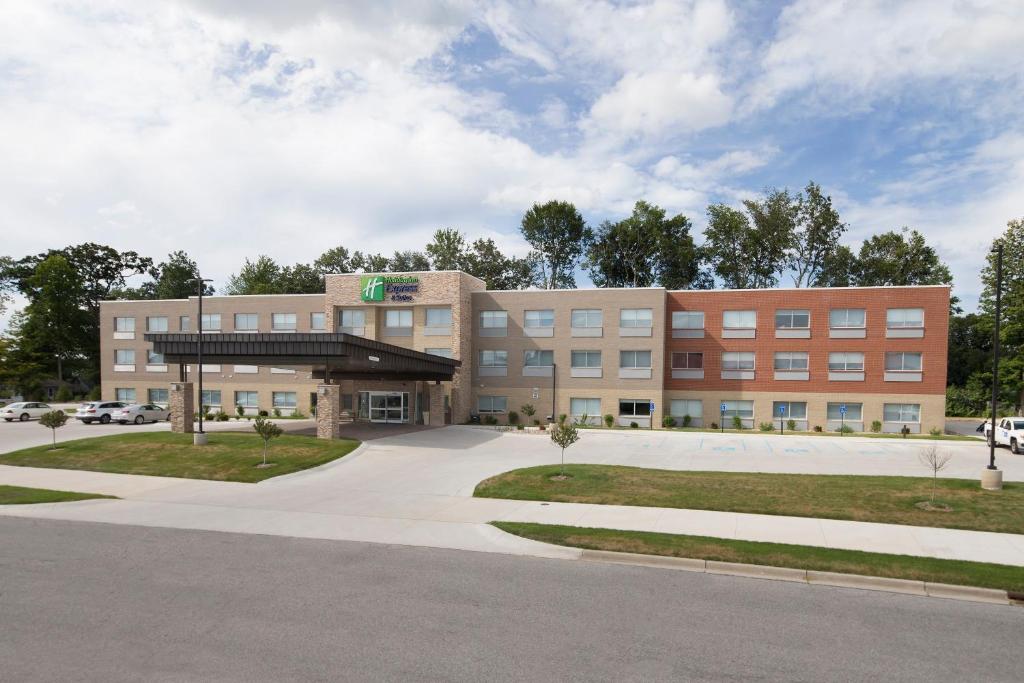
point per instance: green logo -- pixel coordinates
(371, 288)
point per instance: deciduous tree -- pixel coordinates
(816, 235)
(559, 237)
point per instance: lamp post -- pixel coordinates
(991, 477)
(199, 438)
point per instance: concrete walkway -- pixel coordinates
(415, 489)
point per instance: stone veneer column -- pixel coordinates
(436, 403)
(328, 411)
(183, 407)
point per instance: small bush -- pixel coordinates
(64, 395)
(536, 423)
(791, 425)
(529, 411)
(714, 425)
(935, 431)
(633, 425)
(221, 416)
(277, 412)
(845, 429)
(94, 393)
(263, 413)
(687, 420)
(766, 427)
(668, 421)
(737, 423)
(609, 420)
(562, 418)
(817, 428)
(520, 427)
(239, 410)
(490, 420)
(876, 426)
(513, 417)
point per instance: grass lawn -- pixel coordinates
(19, 495)
(889, 500)
(227, 456)
(958, 572)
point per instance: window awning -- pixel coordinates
(343, 356)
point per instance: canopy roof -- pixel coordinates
(342, 356)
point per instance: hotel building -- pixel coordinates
(820, 357)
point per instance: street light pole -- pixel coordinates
(995, 354)
(201, 438)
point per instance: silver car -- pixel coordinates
(139, 413)
(24, 411)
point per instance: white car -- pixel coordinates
(24, 411)
(1009, 432)
(97, 411)
(139, 413)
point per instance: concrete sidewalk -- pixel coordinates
(416, 489)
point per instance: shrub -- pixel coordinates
(876, 426)
(528, 410)
(239, 411)
(277, 412)
(490, 420)
(737, 423)
(64, 394)
(817, 428)
(714, 425)
(633, 425)
(609, 420)
(582, 420)
(221, 416)
(791, 425)
(94, 393)
(263, 413)
(668, 421)
(766, 427)
(519, 427)
(687, 420)
(562, 418)
(513, 417)
(845, 429)
(935, 431)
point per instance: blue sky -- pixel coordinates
(231, 128)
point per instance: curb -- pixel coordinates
(806, 576)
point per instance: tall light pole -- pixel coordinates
(200, 438)
(992, 477)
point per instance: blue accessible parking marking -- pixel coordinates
(796, 450)
(723, 448)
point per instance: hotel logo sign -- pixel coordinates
(388, 287)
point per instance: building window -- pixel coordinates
(834, 411)
(739, 320)
(681, 407)
(283, 322)
(154, 358)
(124, 324)
(687, 320)
(439, 317)
(157, 396)
(585, 359)
(542, 318)
(687, 360)
(184, 324)
(247, 399)
(211, 322)
(284, 399)
(902, 361)
(635, 359)
(738, 360)
(587, 317)
(636, 317)
(491, 404)
(156, 324)
(318, 321)
(902, 318)
(124, 357)
(353, 318)
(791, 360)
(439, 351)
(740, 409)
(794, 410)
(493, 320)
(849, 361)
(533, 358)
(634, 407)
(792, 319)
(210, 398)
(494, 359)
(400, 318)
(846, 317)
(246, 322)
(125, 395)
(585, 406)
(901, 412)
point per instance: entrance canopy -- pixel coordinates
(338, 356)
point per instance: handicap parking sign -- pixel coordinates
(782, 410)
(723, 407)
(652, 406)
(842, 409)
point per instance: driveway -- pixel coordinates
(415, 489)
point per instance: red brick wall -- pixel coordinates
(875, 300)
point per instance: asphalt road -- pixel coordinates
(105, 603)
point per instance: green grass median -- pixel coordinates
(957, 572)
(20, 495)
(227, 456)
(888, 500)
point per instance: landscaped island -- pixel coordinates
(21, 495)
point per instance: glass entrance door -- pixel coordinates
(391, 406)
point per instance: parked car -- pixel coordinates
(97, 411)
(1009, 432)
(24, 411)
(139, 413)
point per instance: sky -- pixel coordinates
(233, 128)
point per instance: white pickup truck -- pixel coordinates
(1009, 432)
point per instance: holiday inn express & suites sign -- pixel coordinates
(388, 287)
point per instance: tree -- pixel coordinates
(900, 259)
(936, 462)
(644, 249)
(22, 367)
(335, 260)
(6, 282)
(816, 235)
(1011, 330)
(54, 420)
(370, 263)
(970, 347)
(55, 322)
(837, 269)
(408, 261)
(267, 430)
(447, 250)
(485, 261)
(564, 434)
(559, 236)
(774, 222)
(176, 278)
(301, 279)
(726, 240)
(262, 276)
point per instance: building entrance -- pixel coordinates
(389, 406)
